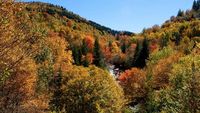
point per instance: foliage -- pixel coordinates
(155, 57)
(137, 53)
(141, 55)
(164, 40)
(93, 91)
(161, 71)
(132, 82)
(196, 5)
(182, 94)
(56, 102)
(98, 57)
(40, 42)
(180, 13)
(77, 54)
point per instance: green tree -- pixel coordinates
(196, 5)
(164, 40)
(77, 54)
(180, 13)
(137, 53)
(85, 62)
(176, 37)
(84, 47)
(98, 56)
(56, 103)
(123, 47)
(141, 55)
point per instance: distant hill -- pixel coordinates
(63, 12)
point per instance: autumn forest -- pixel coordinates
(55, 61)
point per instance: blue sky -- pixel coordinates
(130, 15)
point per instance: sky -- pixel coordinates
(129, 15)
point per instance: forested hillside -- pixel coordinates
(52, 60)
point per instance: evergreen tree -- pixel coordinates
(137, 53)
(123, 47)
(144, 55)
(198, 4)
(195, 5)
(177, 38)
(141, 55)
(84, 47)
(85, 62)
(76, 53)
(164, 40)
(180, 13)
(98, 57)
(56, 103)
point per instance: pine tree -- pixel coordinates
(98, 57)
(84, 47)
(56, 102)
(141, 54)
(164, 40)
(144, 55)
(194, 6)
(137, 53)
(180, 13)
(177, 37)
(77, 54)
(123, 47)
(198, 4)
(85, 62)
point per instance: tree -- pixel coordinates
(123, 47)
(85, 61)
(84, 47)
(95, 91)
(141, 55)
(180, 13)
(90, 43)
(185, 84)
(76, 53)
(98, 57)
(196, 5)
(177, 37)
(182, 94)
(161, 71)
(164, 40)
(137, 53)
(56, 101)
(133, 83)
(19, 89)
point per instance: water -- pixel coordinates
(115, 72)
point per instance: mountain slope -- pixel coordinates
(62, 12)
(52, 60)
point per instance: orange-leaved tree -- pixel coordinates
(133, 83)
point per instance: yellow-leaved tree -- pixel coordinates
(89, 90)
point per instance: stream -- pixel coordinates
(115, 72)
